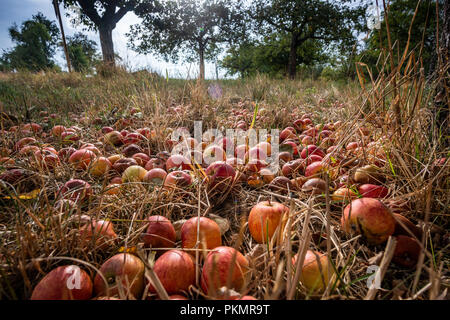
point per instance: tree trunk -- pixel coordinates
(292, 65)
(107, 44)
(202, 63)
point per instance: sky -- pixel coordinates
(16, 11)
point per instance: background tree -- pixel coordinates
(103, 16)
(190, 29)
(35, 45)
(308, 20)
(270, 56)
(401, 13)
(82, 53)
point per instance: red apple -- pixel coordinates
(178, 179)
(124, 270)
(219, 270)
(100, 232)
(176, 271)
(177, 162)
(311, 150)
(64, 283)
(373, 191)
(264, 218)
(81, 159)
(76, 190)
(369, 217)
(155, 176)
(209, 237)
(220, 175)
(160, 233)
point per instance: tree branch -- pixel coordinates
(89, 10)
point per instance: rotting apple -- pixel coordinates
(369, 217)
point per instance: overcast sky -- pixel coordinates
(19, 10)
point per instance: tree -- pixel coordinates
(193, 28)
(82, 52)
(103, 16)
(401, 13)
(270, 56)
(36, 42)
(308, 20)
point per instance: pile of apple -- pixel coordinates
(313, 162)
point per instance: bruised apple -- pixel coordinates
(124, 270)
(369, 217)
(209, 237)
(219, 270)
(264, 219)
(406, 252)
(64, 283)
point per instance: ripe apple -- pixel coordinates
(178, 179)
(160, 233)
(312, 150)
(314, 271)
(25, 141)
(155, 163)
(122, 164)
(114, 138)
(155, 176)
(176, 271)
(177, 162)
(131, 149)
(373, 191)
(209, 237)
(216, 271)
(281, 183)
(123, 269)
(213, 153)
(315, 169)
(220, 175)
(369, 217)
(76, 190)
(100, 167)
(101, 232)
(343, 194)
(141, 159)
(64, 283)
(264, 219)
(81, 159)
(133, 174)
(58, 130)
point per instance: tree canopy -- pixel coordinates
(82, 52)
(187, 29)
(323, 20)
(103, 16)
(35, 45)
